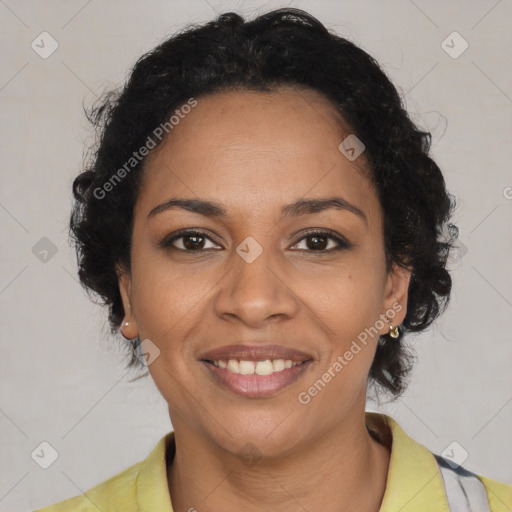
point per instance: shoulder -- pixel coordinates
(499, 494)
(416, 478)
(143, 484)
(116, 493)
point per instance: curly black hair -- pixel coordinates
(284, 47)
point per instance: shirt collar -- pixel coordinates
(152, 487)
(414, 482)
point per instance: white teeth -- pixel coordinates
(246, 367)
(233, 366)
(278, 365)
(266, 367)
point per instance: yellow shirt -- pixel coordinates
(414, 482)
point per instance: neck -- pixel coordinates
(345, 466)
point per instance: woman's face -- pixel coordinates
(260, 274)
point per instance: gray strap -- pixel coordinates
(465, 491)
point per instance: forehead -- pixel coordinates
(250, 150)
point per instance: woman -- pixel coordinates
(265, 225)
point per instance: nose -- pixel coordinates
(257, 288)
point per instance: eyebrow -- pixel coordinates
(296, 209)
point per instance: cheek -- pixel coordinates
(347, 305)
(167, 305)
(165, 293)
(348, 298)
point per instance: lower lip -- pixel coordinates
(257, 386)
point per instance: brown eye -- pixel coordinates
(188, 241)
(196, 241)
(318, 241)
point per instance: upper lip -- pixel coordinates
(255, 353)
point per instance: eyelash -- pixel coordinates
(166, 243)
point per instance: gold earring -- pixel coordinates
(393, 331)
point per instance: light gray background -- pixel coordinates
(62, 379)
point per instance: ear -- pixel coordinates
(395, 296)
(125, 289)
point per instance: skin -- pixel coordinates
(253, 153)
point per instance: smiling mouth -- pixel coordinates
(255, 379)
(264, 367)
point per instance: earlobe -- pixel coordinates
(129, 325)
(397, 292)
